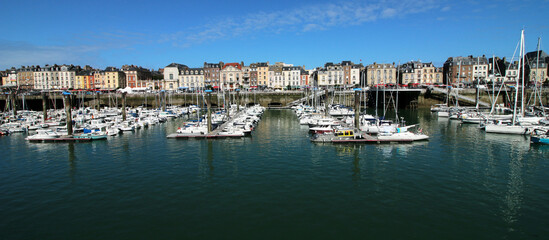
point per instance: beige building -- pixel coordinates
(263, 74)
(381, 73)
(416, 72)
(538, 72)
(275, 76)
(192, 79)
(110, 79)
(25, 77)
(55, 77)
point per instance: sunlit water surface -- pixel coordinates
(461, 184)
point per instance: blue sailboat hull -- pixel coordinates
(539, 140)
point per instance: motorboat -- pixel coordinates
(44, 134)
(540, 136)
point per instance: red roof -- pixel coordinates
(236, 65)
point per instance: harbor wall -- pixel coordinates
(417, 99)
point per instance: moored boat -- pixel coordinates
(540, 136)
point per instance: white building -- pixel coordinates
(331, 75)
(480, 68)
(55, 77)
(12, 78)
(290, 77)
(355, 74)
(231, 76)
(172, 74)
(192, 79)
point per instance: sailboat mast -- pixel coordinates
(522, 57)
(478, 79)
(459, 78)
(541, 80)
(397, 81)
(517, 81)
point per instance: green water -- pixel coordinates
(462, 184)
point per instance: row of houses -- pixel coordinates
(230, 76)
(58, 77)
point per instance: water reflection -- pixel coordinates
(517, 142)
(399, 149)
(354, 151)
(206, 166)
(512, 202)
(72, 161)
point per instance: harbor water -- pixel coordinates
(461, 184)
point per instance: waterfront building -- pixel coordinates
(172, 75)
(85, 80)
(67, 75)
(480, 69)
(331, 75)
(416, 72)
(439, 75)
(537, 72)
(321, 77)
(138, 77)
(192, 79)
(381, 73)
(275, 75)
(172, 71)
(511, 71)
(351, 73)
(304, 77)
(465, 70)
(212, 74)
(11, 79)
(115, 79)
(253, 75)
(3, 77)
(536, 66)
(291, 77)
(262, 74)
(496, 69)
(246, 76)
(335, 74)
(109, 79)
(25, 77)
(55, 77)
(231, 76)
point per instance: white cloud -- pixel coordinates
(307, 18)
(388, 12)
(445, 9)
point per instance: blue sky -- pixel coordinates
(154, 34)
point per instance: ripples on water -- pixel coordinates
(462, 183)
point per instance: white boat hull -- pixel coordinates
(507, 129)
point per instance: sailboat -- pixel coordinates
(513, 126)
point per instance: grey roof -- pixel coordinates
(294, 68)
(464, 61)
(212, 65)
(111, 69)
(532, 56)
(193, 71)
